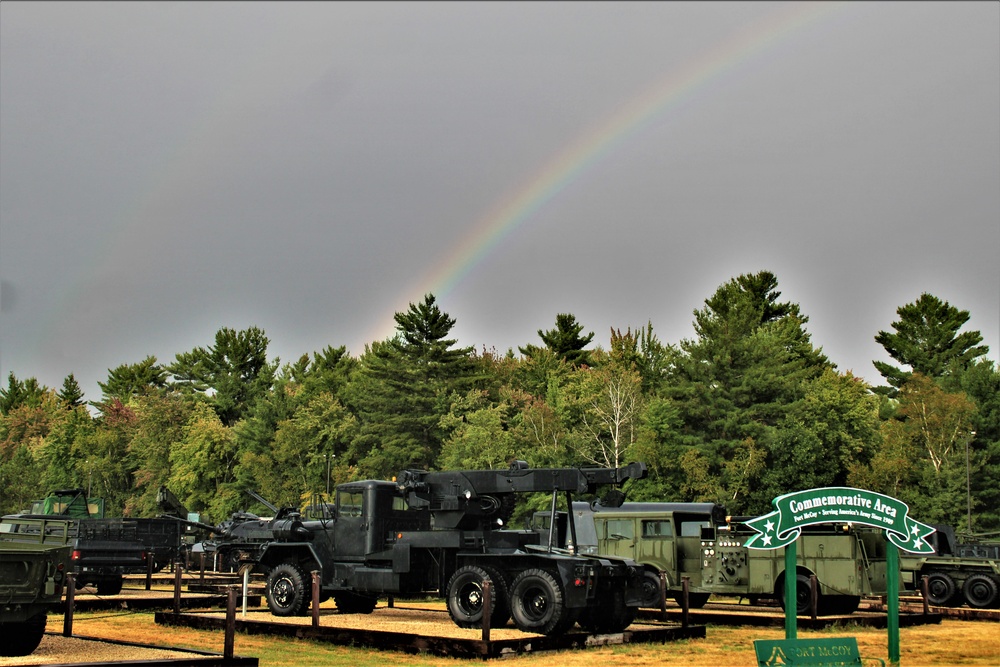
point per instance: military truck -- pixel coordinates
(699, 541)
(34, 561)
(445, 533)
(961, 571)
(105, 549)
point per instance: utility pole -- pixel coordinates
(968, 479)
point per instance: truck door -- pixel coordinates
(657, 545)
(350, 534)
(619, 536)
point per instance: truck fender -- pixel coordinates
(301, 553)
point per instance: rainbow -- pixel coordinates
(677, 88)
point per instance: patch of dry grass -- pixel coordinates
(952, 642)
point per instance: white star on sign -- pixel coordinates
(770, 526)
(915, 530)
(767, 540)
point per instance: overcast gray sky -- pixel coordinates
(169, 169)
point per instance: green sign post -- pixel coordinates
(793, 511)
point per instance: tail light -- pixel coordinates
(77, 554)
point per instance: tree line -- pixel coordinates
(746, 410)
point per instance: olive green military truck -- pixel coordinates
(34, 560)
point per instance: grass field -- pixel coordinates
(950, 643)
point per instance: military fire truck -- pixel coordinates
(698, 541)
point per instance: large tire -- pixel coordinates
(501, 597)
(110, 586)
(695, 600)
(286, 590)
(610, 614)
(980, 591)
(941, 589)
(349, 602)
(23, 637)
(803, 594)
(837, 605)
(538, 605)
(466, 602)
(651, 593)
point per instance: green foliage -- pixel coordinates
(927, 339)
(235, 369)
(402, 391)
(564, 341)
(130, 380)
(202, 465)
(19, 393)
(922, 458)
(736, 387)
(20, 478)
(71, 394)
(744, 411)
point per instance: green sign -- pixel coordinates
(836, 504)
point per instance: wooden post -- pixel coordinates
(315, 598)
(390, 602)
(487, 603)
(227, 648)
(685, 591)
(813, 595)
(923, 594)
(149, 572)
(178, 571)
(201, 577)
(663, 595)
(70, 603)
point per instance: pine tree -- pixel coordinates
(403, 390)
(927, 339)
(564, 340)
(71, 394)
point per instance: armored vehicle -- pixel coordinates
(34, 560)
(444, 533)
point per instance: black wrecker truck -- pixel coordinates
(443, 533)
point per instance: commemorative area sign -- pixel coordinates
(834, 505)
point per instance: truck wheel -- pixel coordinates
(349, 602)
(836, 605)
(610, 614)
(695, 600)
(538, 605)
(803, 594)
(112, 586)
(650, 589)
(22, 638)
(501, 597)
(980, 591)
(465, 597)
(941, 589)
(286, 590)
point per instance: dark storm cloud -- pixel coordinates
(172, 168)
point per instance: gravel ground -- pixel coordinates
(58, 649)
(429, 620)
